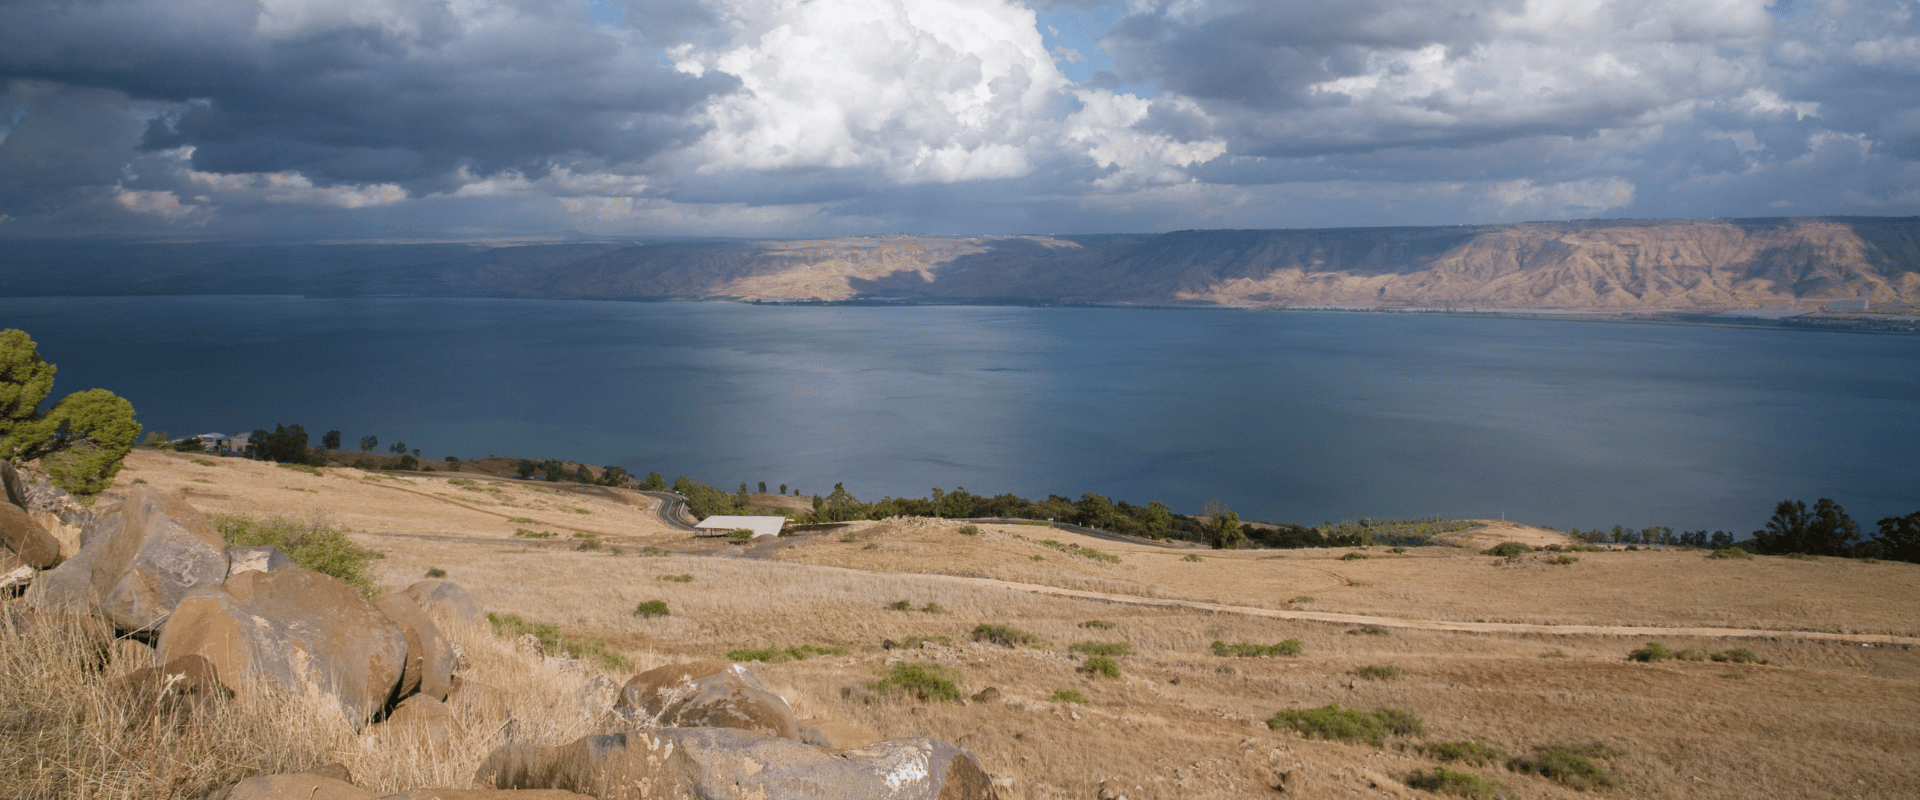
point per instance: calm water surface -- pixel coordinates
(1296, 417)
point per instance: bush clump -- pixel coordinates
(675, 578)
(1465, 752)
(436, 572)
(1101, 667)
(1290, 647)
(1459, 784)
(1347, 724)
(925, 681)
(1109, 649)
(970, 530)
(1004, 636)
(1069, 696)
(553, 642)
(1507, 550)
(774, 655)
(1099, 624)
(1355, 556)
(652, 608)
(314, 544)
(1572, 767)
(1379, 672)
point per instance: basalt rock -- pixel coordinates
(26, 539)
(430, 658)
(448, 604)
(715, 694)
(257, 558)
(294, 628)
(728, 764)
(177, 691)
(137, 561)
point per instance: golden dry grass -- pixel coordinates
(1824, 719)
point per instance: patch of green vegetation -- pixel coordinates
(1301, 599)
(1738, 655)
(1004, 636)
(306, 468)
(1347, 724)
(523, 533)
(1379, 672)
(1290, 647)
(1507, 550)
(675, 578)
(521, 520)
(461, 482)
(1097, 624)
(1193, 557)
(918, 641)
(1397, 550)
(1368, 630)
(588, 544)
(774, 655)
(925, 681)
(1730, 553)
(1654, 651)
(741, 535)
(1554, 653)
(653, 552)
(1355, 556)
(1101, 667)
(1068, 696)
(1459, 784)
(436, 572)
(1110, 649)
(651, 608)
(933, 608)
(554, 642)
(1412, 532)
(1572, 767)
(970, 530)
(1465, 752)
(205, 462)
(1084, 552)
(313, 544)
(1565, 560)
(901, 605)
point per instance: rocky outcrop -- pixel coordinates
(728, 764)
(256, 558)
(137, 561)
(30, 543)
(714, 694)
(430, 658)
(448, 604)
(178, 690)
(293, 628)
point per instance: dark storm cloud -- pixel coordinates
(406, 93)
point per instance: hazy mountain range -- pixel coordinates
(1617, 265)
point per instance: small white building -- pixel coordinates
(222, 444)
(761, 526)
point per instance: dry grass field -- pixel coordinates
(1823, 718)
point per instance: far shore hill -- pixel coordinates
(1864, 269)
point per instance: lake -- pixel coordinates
(1297, 417)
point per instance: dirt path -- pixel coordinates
(1444, 625)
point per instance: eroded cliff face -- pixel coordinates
(1608, 265)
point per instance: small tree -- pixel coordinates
(655, 482)
(1899, 538)
(1825, 531)
(331, 440)
(368, 442)
(398, 448)
(763, 487)
(525, 467)
(783, 489)
(613, 475)
(82, 441)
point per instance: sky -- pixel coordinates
(504, 119)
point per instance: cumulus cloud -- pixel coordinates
(799, 117)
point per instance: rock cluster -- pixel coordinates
(229, 621)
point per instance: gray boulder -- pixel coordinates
(430, 658)
(137, 560)
(257, 558)
(304, 786)
(297, 629)
(715, 694)
(727, 764)
(26, 539)
(446, 602)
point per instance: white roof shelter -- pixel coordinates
(761, 526)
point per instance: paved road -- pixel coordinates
(673, 510)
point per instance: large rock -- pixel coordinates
(176, 691)
(26, 539)
(420, 725)
(304, 786)
(715, 694)
(257, 558)
(430, 659)
(446, 602)
(727, 764)
(294, 628)
(59, 512)
(137, 560)
(486, 794)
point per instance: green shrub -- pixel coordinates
(1654, 651)
(1398, 550)
(1193, 557)
(675, 578)
(314, 544)
(1554, 653)
(925, 681)
(1101, 667)
(1564, 560)
(521, 520)
(1290, 647)
(1068, 696)
(1004, 635)
(1378, 672)
(901, 605)
(1460, 784)
(556, 643)
(1466, 752)
(774, 655)
(1572, 767)
(1301, 599)
(970, 530)
(203, 462)
(1730, 552)
(1098, 624)
(1110, 649)
(306, 468)
(1507, 550)
(933, 608)
(523, 533)
(1355, 556)
(436, 572)
(652, 551)
(587, 543)
(1346, 724)
(652, 608)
